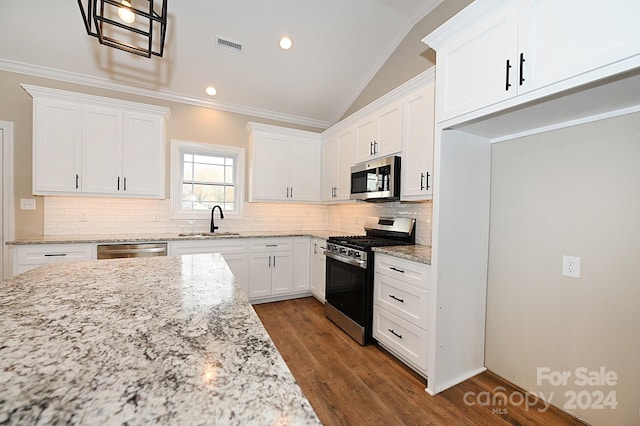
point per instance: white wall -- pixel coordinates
(574, 191)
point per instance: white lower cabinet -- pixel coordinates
(27, 257)
(279, 269)
(234, 251)
(400, 322)
(318, 268)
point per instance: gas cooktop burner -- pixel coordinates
(363, 241)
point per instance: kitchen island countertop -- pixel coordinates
(161, 340)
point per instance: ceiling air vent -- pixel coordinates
(225, 43)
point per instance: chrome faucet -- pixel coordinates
(213, 227)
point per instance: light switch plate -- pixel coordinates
(27, 204)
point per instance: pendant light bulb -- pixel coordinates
(125, 14)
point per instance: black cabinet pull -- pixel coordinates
(124, 185)
(274, 261)
(399, 336)
(371, 148)
(427, 186)
(55, 254)
(269, 261)
(421, 181)
(77, 182)
(508, 84)
(396, 269)
(522, 61)
(292, 192)
(396, 298)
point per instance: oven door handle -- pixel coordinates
(355, 262)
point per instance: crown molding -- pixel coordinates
(83, 79)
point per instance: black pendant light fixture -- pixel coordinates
(135, 26)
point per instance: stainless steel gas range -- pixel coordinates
(349, 278)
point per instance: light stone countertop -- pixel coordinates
(126, 238)
(159, 340)
(417, 253)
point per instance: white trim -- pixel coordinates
(570, 123)
(208, 149)
(103, 83)
(8, 229)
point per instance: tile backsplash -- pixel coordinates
(84, 216)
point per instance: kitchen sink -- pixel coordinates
(207, 234)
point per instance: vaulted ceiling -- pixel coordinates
(338, 46)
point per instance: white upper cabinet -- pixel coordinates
(562, 39)
(284, 164)
(417, 144)
(379, 133)
(57, 154)
(88, 145)
(495, 50)
(102, 154)
(337, 158)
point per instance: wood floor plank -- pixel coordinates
(349, 384)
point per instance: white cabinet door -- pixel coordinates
(562, 39)
(318, 268)
(282, 273)
(417, 144)
(346, 157)
(57, 148)
(143, 155)
(330, 162)
(366, 137)
(260, 275)
(389, 140)
(380, 133)
(102, 151)
(304, 169)
(478, 64)
(301, 264)
(271, 168)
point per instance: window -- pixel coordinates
(205, 175)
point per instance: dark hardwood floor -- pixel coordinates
(349, 384)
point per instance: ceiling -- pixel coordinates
(338, 46)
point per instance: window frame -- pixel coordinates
(178, 148)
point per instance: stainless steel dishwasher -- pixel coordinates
(115, 251)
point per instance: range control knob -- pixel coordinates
(343, 250)
(357, 254)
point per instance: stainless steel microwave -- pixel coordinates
(376, 180)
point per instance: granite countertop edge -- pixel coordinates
(161, 237)
(416, 253)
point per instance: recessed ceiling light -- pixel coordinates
(286, 43)
(211, 91)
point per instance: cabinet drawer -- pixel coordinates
(39, 255)
(408, 272)
(405, 339)
(406, 301)
(271, 244)
(31, 256)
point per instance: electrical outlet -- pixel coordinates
(84, 216)
(27, 204)
(571, 266)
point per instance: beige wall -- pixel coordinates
(187, 123)
(410, 58)
(574, 191)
